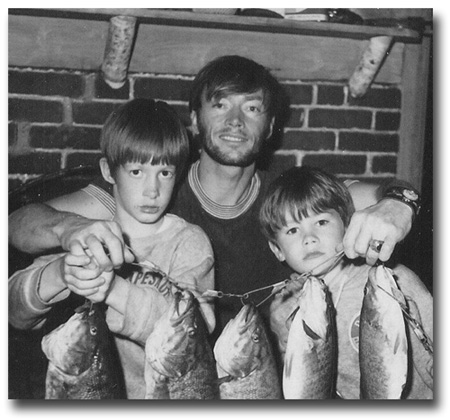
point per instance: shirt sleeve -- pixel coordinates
(26, 308)
(191, 266)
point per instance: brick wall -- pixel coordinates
(55, 118)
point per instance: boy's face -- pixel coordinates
(308, 243)
(142, 192)
(233, 127)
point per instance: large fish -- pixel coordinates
(245, 362)
(383, 346)
(311, 353)
(179, 362)
(82, 362)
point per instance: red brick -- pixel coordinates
(82, 159)
(63, 137)
(330, 95)
(339, 118)
(389, 121)
(46, 84)
(298, 94)
(368, 142)
(309, 140)
(12, 134)
(378, 98)
(337, 164)
(277, 163)
(34, 163)
(384, 164)
(296, 117)
(162, 88)
(104, 91)
(93, 112)
(35, 110)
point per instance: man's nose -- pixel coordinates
(235, 117)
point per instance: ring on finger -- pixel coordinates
(375, 245)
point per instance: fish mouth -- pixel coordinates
(183, 303)
(246, 316)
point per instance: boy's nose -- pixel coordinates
(310, 239)
(151, 190)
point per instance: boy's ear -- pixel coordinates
(277, 251)
(194, 126)
(106, 173)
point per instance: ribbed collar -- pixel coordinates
(223, 211)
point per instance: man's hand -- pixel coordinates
(103, 239)
(388, 221)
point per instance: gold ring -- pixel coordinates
(375, 245)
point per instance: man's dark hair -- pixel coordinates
(233, 74)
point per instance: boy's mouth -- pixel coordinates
(149, 209)
(313, 255)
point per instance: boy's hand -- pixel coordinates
(83, 276)
(104, 239)
(388, 221)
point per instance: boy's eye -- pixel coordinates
(254, 108)
(135, 172)
(167, 174)
(322, 222)
(292, 231)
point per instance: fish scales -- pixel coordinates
(179, 362)
(310, 364)
(82, 362)
(244, 358)
(383, 346)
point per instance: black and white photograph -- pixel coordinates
(221, 204)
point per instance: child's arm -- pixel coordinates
(133, 310)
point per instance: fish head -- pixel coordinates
(240, 348)
(171, 348)
(315, 308)
(72, 346)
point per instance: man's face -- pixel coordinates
(233, 127)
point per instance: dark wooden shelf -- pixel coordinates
(232, 22)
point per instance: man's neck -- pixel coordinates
(225, 185)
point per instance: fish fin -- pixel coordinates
(309, 332)
(224, 379)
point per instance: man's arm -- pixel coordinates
(376, 218)
(67, 222)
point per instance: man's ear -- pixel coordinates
(277, 251)
(104, 167)
(194, 125)
(271, 125)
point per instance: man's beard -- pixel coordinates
(223, 158)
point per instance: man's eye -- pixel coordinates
(218, 105)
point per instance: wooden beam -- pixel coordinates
(414, 108)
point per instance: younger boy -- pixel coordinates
(304, 216)
(145, 149)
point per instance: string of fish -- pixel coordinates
(416, 325)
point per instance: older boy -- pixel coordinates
(145, 148)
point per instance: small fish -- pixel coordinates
(311, 353)
(82, 362)
(383, 346)
(245, 362)
(179, 363)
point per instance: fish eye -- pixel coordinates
(192, 332)
(93, 330)
(255, 336)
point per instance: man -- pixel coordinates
(234, 105)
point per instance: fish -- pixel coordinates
(179, 362)
(310, 364)
(383, 345)
(245, 361)
(82, 362)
